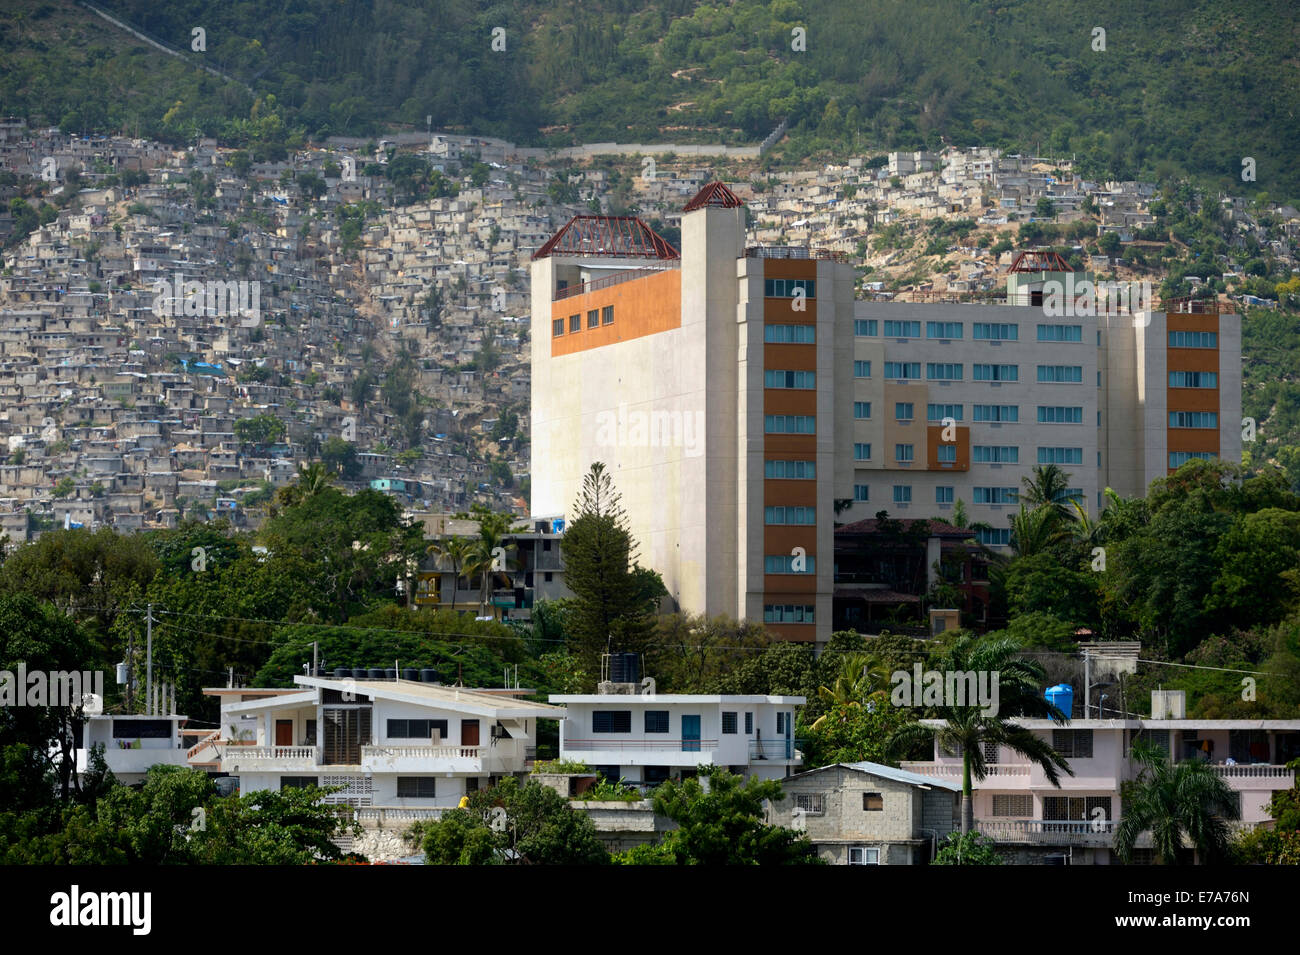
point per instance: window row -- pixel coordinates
(789, 288)
(1193, 339)
(1193, 419)
(788, 613)
(789, 564)
(774, 378)
(790, 470)
(790, 334)
(595, 318)
(785, 514)
(790, 424)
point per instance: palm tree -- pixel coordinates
(966, 729)
(314, 478)
(487, 549)
(455, 550)
(1175, 801)
(853, 683)
(1047, 486)
(1035, 531)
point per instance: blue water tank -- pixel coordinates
(1062, 697)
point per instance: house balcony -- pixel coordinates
(666, 751)
(1100, 832)
(776, 750)
(999, 776)
(268, 759)
(1257, 776)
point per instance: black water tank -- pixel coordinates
(376, 673)
(428, 676)
(410, 673)
(358, 673)
(390, 674)
(342, 673)
(624, 668)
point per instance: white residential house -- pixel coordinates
(132, 743)
(645, 738)
(396, 743)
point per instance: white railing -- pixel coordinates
(381, 815)
(271, 752)
(1018, 830)
(1264, 770)
(954, 769)
(422, 752)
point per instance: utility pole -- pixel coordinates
(148, 625)
(314, 647)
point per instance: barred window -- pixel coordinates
(1013, 805)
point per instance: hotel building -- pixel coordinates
(744, 403)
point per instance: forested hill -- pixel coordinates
(1197, 85)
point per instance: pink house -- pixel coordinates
(1017, 806)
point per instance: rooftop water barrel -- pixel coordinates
(390, 673)
(358, 673)
(1062, 697)
(342, 673)
(428, 676)
(376, 673)
(411, 674)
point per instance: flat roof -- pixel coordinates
(673, 698)
(429, 694)
(1148, 724)
(888, 772)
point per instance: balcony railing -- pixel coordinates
(643, 745)
(272, 753)
(421, 752)
(954, 769)
(772, 749)
(1026, 830)
(792, 252)
(385, 815)
(1254, 771)
(582, 288)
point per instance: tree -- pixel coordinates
(970, 849)
(341, 457)
(263, 429)
(723, 823)
(966, 728)
(610, 607)
(1172, 801)
(538, 827)
(1046, 486)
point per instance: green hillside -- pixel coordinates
(1181, 87)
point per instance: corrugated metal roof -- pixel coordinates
(889, 772)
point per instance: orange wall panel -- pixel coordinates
(789, 401)
(643, 306)
(932, 442)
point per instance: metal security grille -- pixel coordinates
(1013, 805)
(809, 802)
(347, 729)
(1073, 744)
(1074, 808)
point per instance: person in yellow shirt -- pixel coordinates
(464, 802)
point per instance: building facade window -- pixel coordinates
(1060, 374)
(1193, 419)
(785, 564)
(943, 371)
(903, 410)
(790, 470)
(862, 369)
(790, 334)
(946, 454)
(775, 378)
(1193, 339)
(894, 329)
(1060, 455)
(995, 332)
(656, 721)
(902, 494)
(575, 324)
(611, 721)
(557, 327)
(779, 514)
(789, 288)
(995, 454)
(790, 424)
(944, 330)
(417, 787)
(729, 723)
(862, 410)
(1193, 379)
(997, 372)
(903, 370)
(861, 492)
(935, 412)
(995, 495)
(593, 318)
(607, 315)
(864, 327)
(1060, 333)
(1059, 414)
(1178, 458)
(943, 495)
(1008, 413)
(861, 451)
(788, 613)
